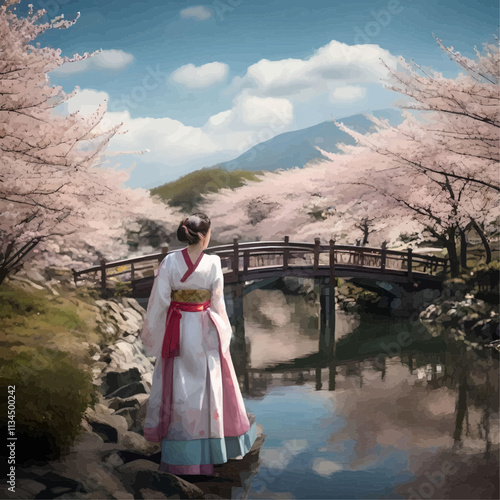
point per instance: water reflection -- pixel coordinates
(396, 414)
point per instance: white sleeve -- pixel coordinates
(217, 303)
(153, 329)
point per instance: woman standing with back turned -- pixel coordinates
(195, 408)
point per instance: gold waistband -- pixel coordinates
(191, 295)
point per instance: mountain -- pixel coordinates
(291, 149)
(295, 149)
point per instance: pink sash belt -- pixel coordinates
(171, 344)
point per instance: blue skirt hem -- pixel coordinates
(208, 450)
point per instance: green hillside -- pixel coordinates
(187, 191)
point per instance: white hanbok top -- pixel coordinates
(207, 276)
(194, 395)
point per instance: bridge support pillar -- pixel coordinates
(327, 318)
(239, 353)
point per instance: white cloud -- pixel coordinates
(198, 12)
(200, 77)
(86, 101)
(301, 79)
(107, 59)
(265, 110)
(326, 467)
(348, 93)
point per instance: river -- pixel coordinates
(398, 414)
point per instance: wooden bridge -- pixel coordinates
(247, 261)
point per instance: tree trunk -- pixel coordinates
(13, 262)
(484, 240)
(463, 248)
(366, 232)
(451, 246)
(3, 274)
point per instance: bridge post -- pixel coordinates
(286, 253)
(316, 253)
(383, 256)
(327, 320)
(332, 372)
(331, 302)
(103, 275)
(332, 261)
(317, 373)
(164, 251)
(236, 259)
(239, 353)
(246, 260)
(410, 257)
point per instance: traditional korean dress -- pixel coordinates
(195, 408)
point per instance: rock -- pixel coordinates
(129, 414)
(143, 474)
(130, 390)
(135, 442)
(76, 495)
(85, 425)
(152, 494)
(55, 483)
(129, 337)
(27, 282)
(104, 424)
(443, 317)
(35, 276)
(29, 487)
(113, 380)
(59, 273)
(133, 316)
(113, 459)
(133, 304)
(132, 402)
(108, 328)
(140, 418)
(126, 355)
(87, 441)
(487, 329)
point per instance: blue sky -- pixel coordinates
(200, 82)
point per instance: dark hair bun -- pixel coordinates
(188, 229)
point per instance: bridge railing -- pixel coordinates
(240, 257)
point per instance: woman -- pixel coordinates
(195, 408)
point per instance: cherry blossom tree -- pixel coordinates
(56, 191)
(457, 148)
(430, 179)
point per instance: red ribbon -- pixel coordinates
(171, 342)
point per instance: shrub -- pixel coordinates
(51, 394)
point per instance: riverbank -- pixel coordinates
(93, 355)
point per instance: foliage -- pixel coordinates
(123, 289)
(51, 396)
(483, 279)
(187, 191)
(47, 344)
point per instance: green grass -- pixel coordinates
(39, 318)
(44, 356)
(189, 190)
